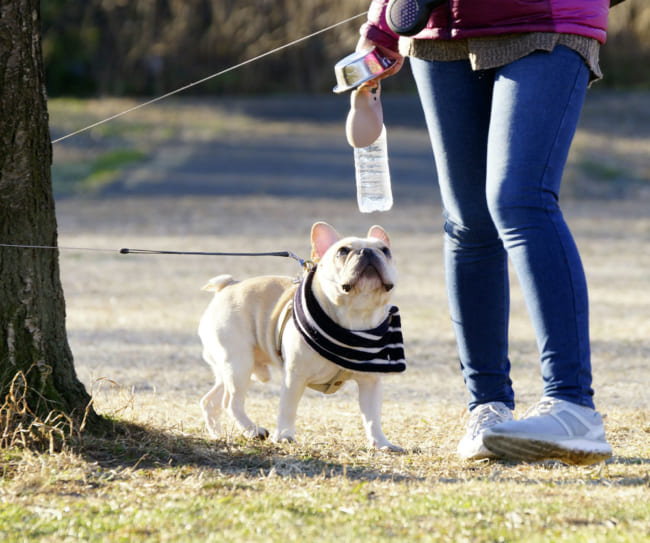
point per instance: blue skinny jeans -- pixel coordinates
(500, 140)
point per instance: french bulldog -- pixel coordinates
(258, 322)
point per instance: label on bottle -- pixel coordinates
(373, 176)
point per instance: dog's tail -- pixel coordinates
(218, 283)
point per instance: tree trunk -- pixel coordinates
(33, 341)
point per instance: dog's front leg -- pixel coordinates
(370, 399)
(293, 388)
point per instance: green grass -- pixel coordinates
(90, 175)
(94, 158)
(601, 171)
(334, 511)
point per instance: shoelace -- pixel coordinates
(542, 407)
(485, 416)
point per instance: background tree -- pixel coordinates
(122, 47)
(33, 340)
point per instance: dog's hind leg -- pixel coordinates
(211, 405)
(237, 378)
(212, 402)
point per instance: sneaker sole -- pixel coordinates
(576, 452)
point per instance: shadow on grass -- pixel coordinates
(137, 446)
(134, 446)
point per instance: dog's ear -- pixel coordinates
(323, 236)
(379, 233)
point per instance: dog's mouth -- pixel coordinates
(369, 274)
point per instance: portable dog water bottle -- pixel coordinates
(364, 127)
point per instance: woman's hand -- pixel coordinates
(365, 43)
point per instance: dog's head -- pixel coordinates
(356, 276)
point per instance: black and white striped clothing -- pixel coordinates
(380, 349)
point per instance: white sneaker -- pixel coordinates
(552, 430)
(481, 418)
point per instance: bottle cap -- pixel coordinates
(366, 118)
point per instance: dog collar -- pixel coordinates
(380, 349)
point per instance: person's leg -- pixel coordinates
(536, 106)
(537, 103)
(457, 103)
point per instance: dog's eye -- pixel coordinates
(386, 251)
(343, 252)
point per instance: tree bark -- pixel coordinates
(33, 340)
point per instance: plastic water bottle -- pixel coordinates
(373, 176)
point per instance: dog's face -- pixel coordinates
(354, 274)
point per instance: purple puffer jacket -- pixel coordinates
(478, 18)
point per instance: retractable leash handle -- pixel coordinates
(408, 17)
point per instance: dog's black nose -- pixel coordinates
(367, 255)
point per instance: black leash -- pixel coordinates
(125, 251)
(307, 264)
(284, 254)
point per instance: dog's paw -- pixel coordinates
(256, 432)
(283, 437)
(389, 447)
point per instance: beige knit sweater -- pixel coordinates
(492, 52)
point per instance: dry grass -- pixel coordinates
(132, 326)
(21, 427)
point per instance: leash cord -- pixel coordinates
(78, 249)
(208, 78)
(285, 254)
(126, 251)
